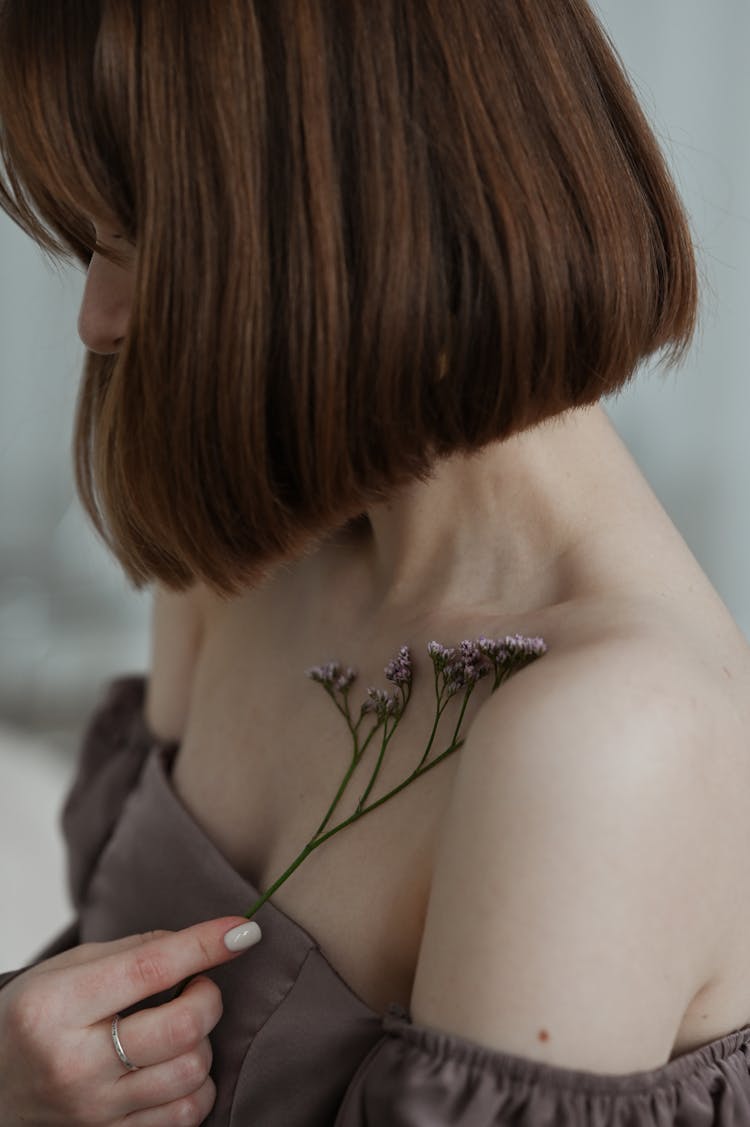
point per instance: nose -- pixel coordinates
(105, 309)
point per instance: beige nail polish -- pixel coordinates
(242, 937)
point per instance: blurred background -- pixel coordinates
(68, 620)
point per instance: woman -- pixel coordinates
(358, 278)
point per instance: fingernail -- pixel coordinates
(242, 937)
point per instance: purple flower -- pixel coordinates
(511, 648)
(332, 676)
(399, 671)
(345, 680)
(440, 655)
(383, 704)
(462, 666)
(465, 667)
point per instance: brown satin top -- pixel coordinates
(296, 1047)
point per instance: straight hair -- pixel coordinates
(368, 237)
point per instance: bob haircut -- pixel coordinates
(368, 236)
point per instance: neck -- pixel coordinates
(497, 527)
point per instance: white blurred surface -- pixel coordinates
(32, 864)
(68, 620)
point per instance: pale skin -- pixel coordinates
(524, 533)
(57, 1062)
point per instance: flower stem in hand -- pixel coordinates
(455, 669)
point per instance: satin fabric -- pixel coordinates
(296, 1047)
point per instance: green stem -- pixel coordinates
(467, 694)
(410, 778)
(386, 737)
(344, 784)
(318, 840)
(440, 710)
(405, 694)
(285, 875)
(356, 759)
(345, 710)
(501, 674)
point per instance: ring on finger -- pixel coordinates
(118, 1046)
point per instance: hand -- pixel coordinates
(58, 1065)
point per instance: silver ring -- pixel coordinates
(118, 1046)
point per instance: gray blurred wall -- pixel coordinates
(67, 616)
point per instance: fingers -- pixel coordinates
(169, 1031)
(164, 1083)
(117, 981)
(189, 1111)
(88, 952)
(68, 1064)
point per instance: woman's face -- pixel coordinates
(105, 308)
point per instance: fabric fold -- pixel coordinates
(421, 1077)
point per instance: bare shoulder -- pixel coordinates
(652, 702)
(582, 831)
(637, 678)
(645, 658)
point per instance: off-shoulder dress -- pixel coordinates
(296, 1047)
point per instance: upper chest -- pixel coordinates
(261, 766)
(265, 750)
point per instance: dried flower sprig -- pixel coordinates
(456, 668)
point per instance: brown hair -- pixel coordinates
(368, 236)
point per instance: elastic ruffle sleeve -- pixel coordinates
(420, 1077)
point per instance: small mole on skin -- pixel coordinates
(726, 671)
(543, 1035)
